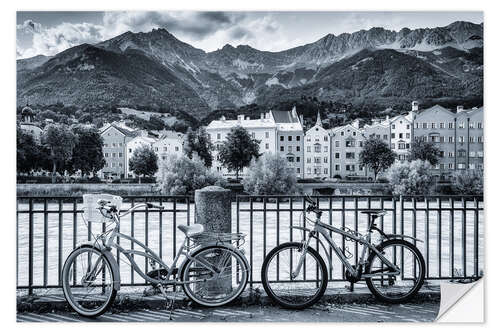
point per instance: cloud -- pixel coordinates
(50, 41)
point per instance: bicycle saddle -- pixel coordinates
(191, 230)
(374, 212)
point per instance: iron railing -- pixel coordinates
(49, 228)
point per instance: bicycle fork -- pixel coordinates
(305, 245)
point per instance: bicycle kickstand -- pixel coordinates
(172, 300)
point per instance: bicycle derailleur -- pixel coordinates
(354, 278)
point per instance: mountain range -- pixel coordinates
(155, 69)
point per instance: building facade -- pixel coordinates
(317, 151)
(401, 135)
(262, 129)
(346, 145)
(290, 143)
(115, 141)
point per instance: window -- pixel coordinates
(218, 136)
(424, 125)
(297, 159)
(471, 139)
(114, 155)
(471, 166)
(479, 154)
(441, 125)
(337, 155)
(342, 133)
(308, 171)
(282, 138)
(450, 154)
(441, 139)
(461, 125)
(282, 148)
(289, 149)
(350, 143)
(350, 155)
(354, 133)
(325, 171)
(267, 135)
(472, 154)
(308, 160)
(289, 138)
(450, 166)
(401, 145)
(450, 125)
(253, 135)
(120, 154)
(393, 126)
(298, 137)
(360, 167)
(337, 167)
(480, 139)
(349, 167)
(393, 136)
(325, 149)
(471, 124)
(290, 158)
(325, 138)
(298, 148)
(416, 125)
(461, 139)
(298, 170)
(308, 138)
(433, 125)
(317, 148)
(106, 154)
(325, 159)
(407, 126)
(308, 149)
(407, 135)
(378, 136)
(393, 146)
(317, 160)
(176, 148)
(156, 148)
(461, 166)
(451, 139)
(385, 137)
(461, 153)
(337, 143)
(479, 125)
(267, 145)
(400, 135)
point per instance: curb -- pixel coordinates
(133, 301)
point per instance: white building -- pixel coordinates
(401, 134)
(347, 144)
(132, 145)
(169, 143)
(317, 151)
(262, 129)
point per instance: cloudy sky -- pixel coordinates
(51, 32)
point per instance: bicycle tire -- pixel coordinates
(241, 287)
(66, 284)
(275, 298)
(417, 286)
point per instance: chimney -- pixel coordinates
(355, 123)
(460, 108)
(414, 106)
(223, 118)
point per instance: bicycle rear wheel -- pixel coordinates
(299, 292)
(87, 280)
(396, 288)
(214, 276)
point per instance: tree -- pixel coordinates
(60, 141)
(181, 175)
(87, 153)
(376, 155)
(198, 142)
(238, 150)
(469, 182)
(425, 151)
(410, 178)
(144, 162)
(269, 175)
(29, 152)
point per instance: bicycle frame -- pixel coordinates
(323, 229)
(150, 255)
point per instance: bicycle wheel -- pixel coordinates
(299, 292)
(396, 288)
(214, 276)
(87, 280)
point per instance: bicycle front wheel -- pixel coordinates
(391, 288)
(87, 280)
(300, 291)
(214, 275)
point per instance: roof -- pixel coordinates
(284, 117)
(245, 123)
(348, 126)
(171, 135)
(470, 112)
(120, 129)
(435, 109)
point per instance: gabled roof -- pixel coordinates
(470, 112)
(119, 129)
(435, 109)
(284, 117)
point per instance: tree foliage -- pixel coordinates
(198, 142)
(87, 153)
(144, 162)
(238, 150)
(376, 155)
(31, 155)
(410, 178)
(181, 175)
(469, 182)
(425, 151)
(269, 175)
(60, 141)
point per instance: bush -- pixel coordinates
(410, 178)
(469, 182)
(180, 175)
(269, 175)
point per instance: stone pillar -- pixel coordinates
(213, 211)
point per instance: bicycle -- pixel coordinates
(213, 273)
(304, 275)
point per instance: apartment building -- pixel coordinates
(115, 140)
(459, 137)
(346, 145)
(169, 143)
(290, 143)
(379, 130)
(401, 136)
(262, 129)
(317, 151)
